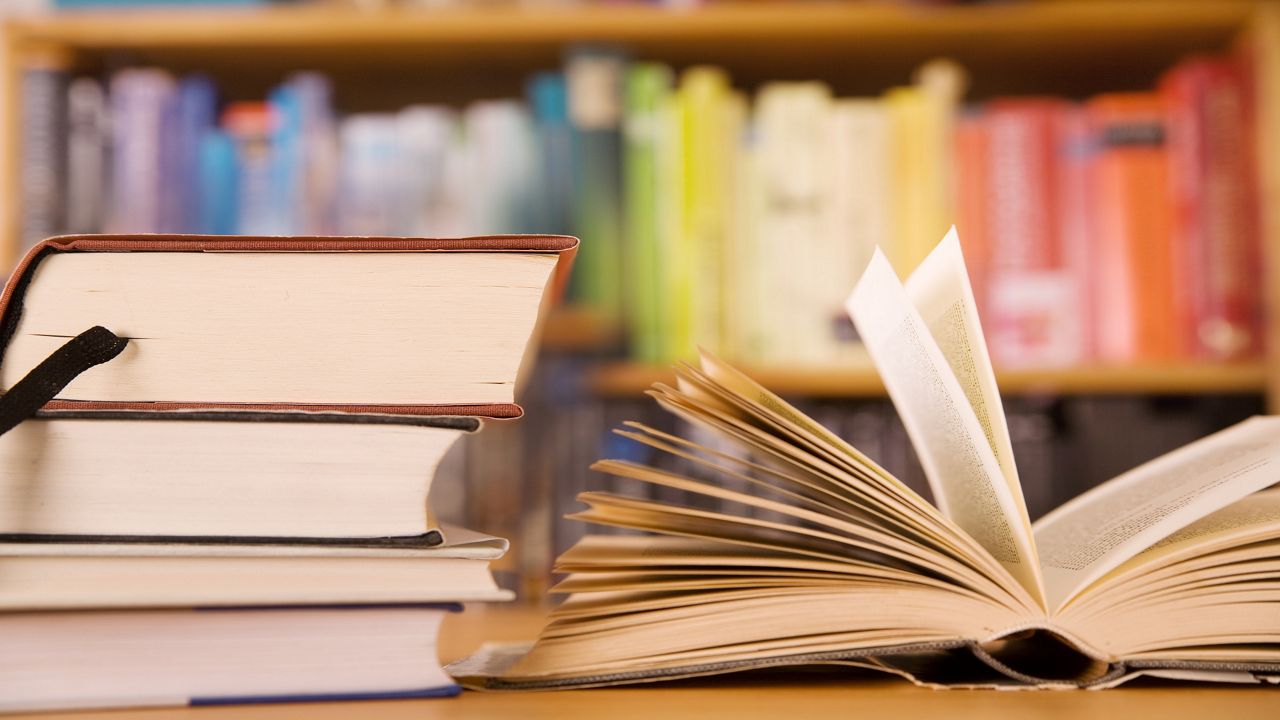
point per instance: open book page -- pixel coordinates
(1252, 519)
(797, 527)
(724, 397)
(940, 290)
(962, 469)
(1096, 532)
(1228, 551)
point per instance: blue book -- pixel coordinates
(222, 656)
(217, 182)
(285, 173)
(190, 114)
(548, 96)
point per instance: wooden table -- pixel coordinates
(744, 697)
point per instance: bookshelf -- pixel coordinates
(630, 379)
(1011, 48)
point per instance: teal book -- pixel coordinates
(548, 97)
(594, 81)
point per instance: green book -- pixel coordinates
(648, 89)
(594, 79)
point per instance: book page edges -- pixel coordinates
(565, 248)
(488, 668)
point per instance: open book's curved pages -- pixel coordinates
(790, 547)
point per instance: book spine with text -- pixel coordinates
(1140, 316)
(1213, 194)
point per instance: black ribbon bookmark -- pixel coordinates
(91, 347)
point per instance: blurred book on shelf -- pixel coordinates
(1119, 229)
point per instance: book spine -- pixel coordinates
(1139, 314)
(250, 125)
(425, 135)
(923, 119)
(595, 78)
(548, 97)
(86, 155)
(676, 285)
(139, 98)
(500, 152)
(316, 192)
(1076, 221)
(747, 325)
(858, 216)
(972, 185)
(191, 115)
(42, 165)
(217, 179)
(795, 177)
(709, 142)
(1031, 287)
(286, 161)
(1212, 187)
(648, 88)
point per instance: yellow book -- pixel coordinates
(705, 97)
(921, 116)
(676, 276)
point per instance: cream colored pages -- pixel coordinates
(252, 327)
(967, 483)
(1253, 518)
(940, 290)
(1096, 532)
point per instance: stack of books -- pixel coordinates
(234, 509)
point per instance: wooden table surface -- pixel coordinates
(744, 697)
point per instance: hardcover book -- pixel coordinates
(1170, 569)
(277, 477)
(221, 656)
(120, 575)
(355, 324)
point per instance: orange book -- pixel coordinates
(1141, 315)
(970, 192)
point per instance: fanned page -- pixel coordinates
(1112, 523)
(963, 472)
(940, 291)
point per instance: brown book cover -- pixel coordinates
(11, 300)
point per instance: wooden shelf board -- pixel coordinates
(335, 28)
(628, 379)
(574, 328)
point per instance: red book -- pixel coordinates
(1213, 184)
(1033, 300)
(1076, 149)
(1140, 317)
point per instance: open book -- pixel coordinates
(1170, 569)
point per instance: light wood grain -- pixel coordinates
(811, 698)
(576, 328)
(331, 28)
(632, 379)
